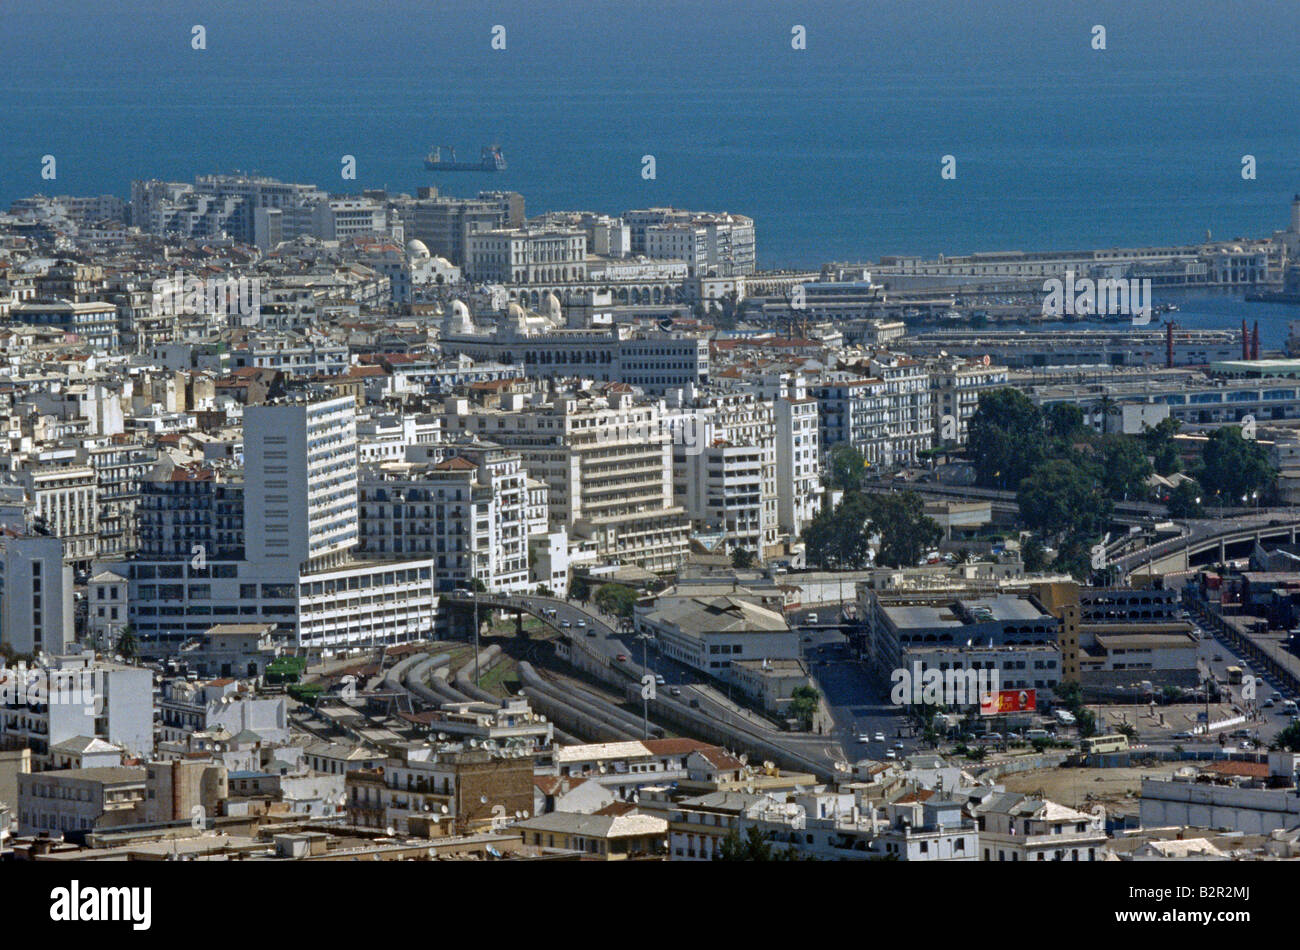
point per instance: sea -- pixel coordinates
(827, 122)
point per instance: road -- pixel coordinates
(1200, 531)
(859, 702)
(695, 689)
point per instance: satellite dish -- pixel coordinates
(443, 809)
(482, 799)
(390, 831)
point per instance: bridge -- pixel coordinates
(1221, 537)
(1004, 502)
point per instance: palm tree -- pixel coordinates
(128, 645)
(1106, 407)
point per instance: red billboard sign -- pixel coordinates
(1009, 701)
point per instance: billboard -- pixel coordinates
(1009, 701)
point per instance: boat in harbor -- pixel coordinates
(491, 159)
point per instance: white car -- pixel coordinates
(891, 754)
(864, 738)
(880, 737)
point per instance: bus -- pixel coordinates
(1112, 743)
(1234, 675)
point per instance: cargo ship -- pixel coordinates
(491, 159)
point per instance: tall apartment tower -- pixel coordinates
(35, 594)
(300, 484)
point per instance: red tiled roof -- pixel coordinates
(455, 464)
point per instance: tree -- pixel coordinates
(1033, 554)
(839, 537)
(544, 591)
(754, 846)
(742, 558)
(128, 645)
(580, 588)
(1005, 439)
(1125, 468)
(803, 703)
(1235, 466)
(1064, 421)
(1060, 498)
(1185, 501)
(1161, 446)
(906, 532)
(1288, 739)
(846, 468)
(616, 599)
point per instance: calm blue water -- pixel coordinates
(834, 150)
(1205, 310)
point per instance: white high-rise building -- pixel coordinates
(298, 513)
(300, 463)
(798, 445)
(35, 594)
(725, 477)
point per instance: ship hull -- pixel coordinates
(459, 167)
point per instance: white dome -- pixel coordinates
(551, 307)
(417, 249)
(517, 318)
(458, 320)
